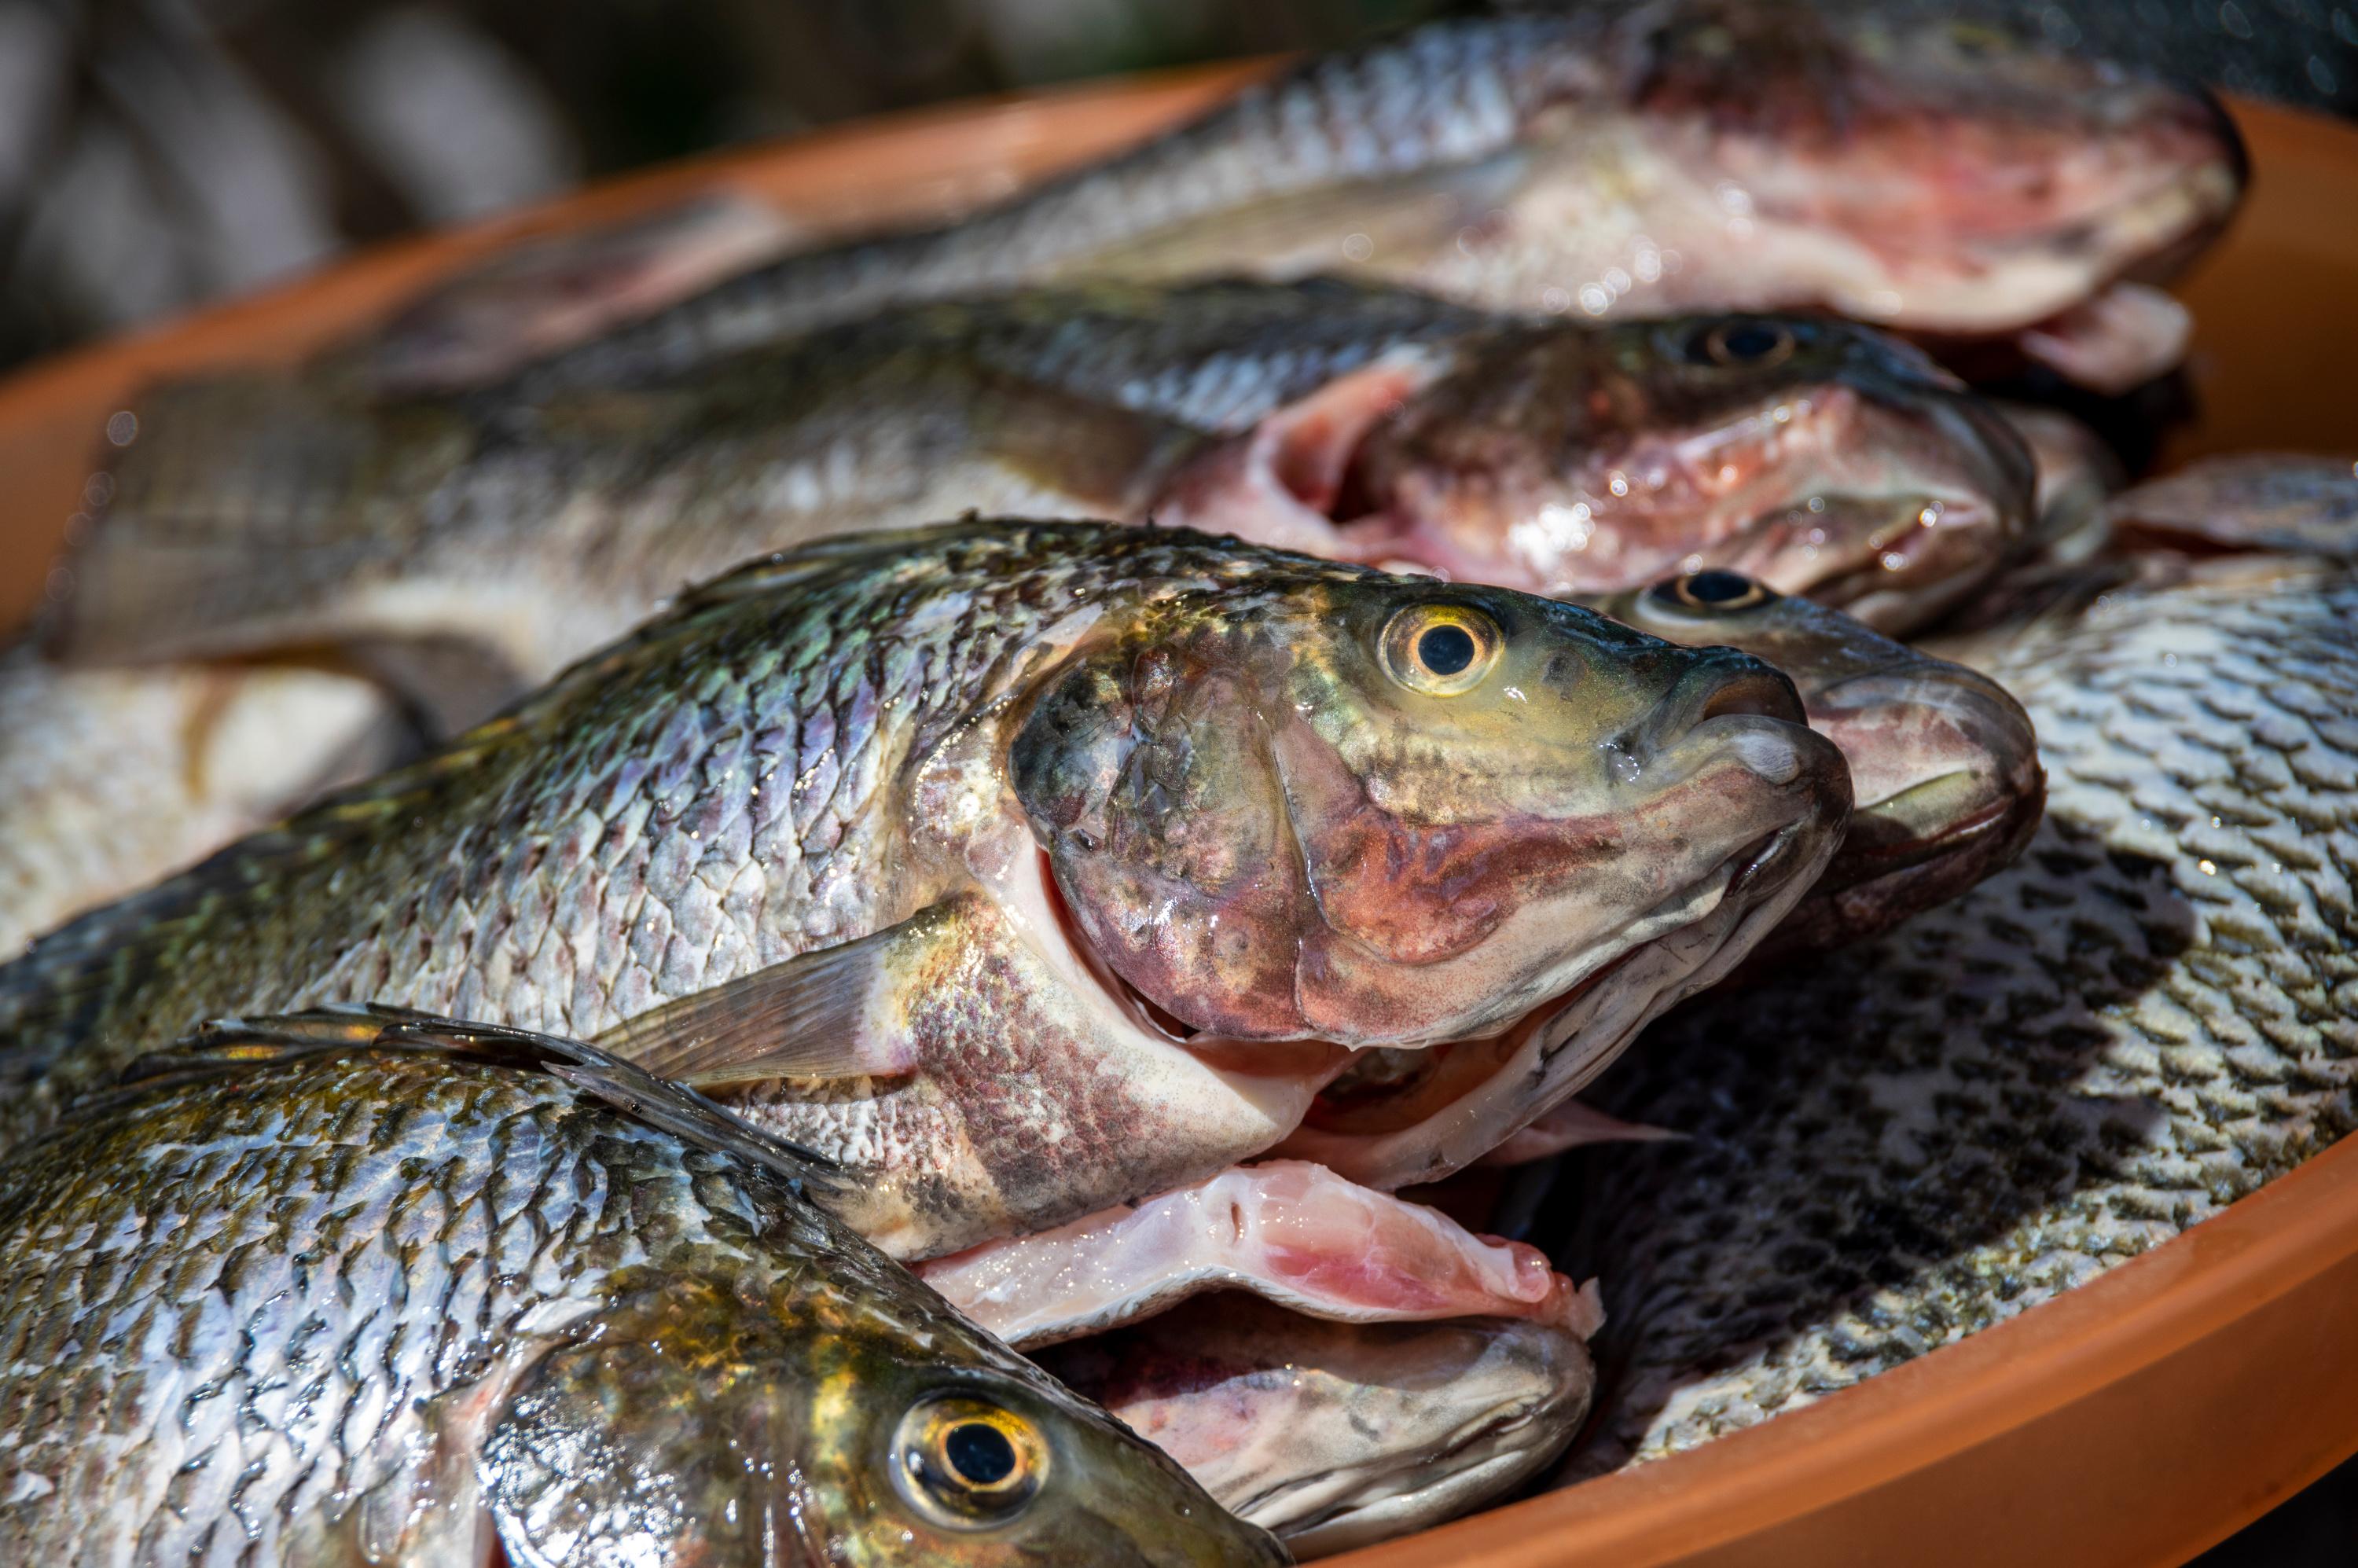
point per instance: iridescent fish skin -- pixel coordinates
(1336, 1435)
(1347, 420)
(112, 777)
(1943, 761)
(1105, 845)
(541, 1308)
(1617, 158)
(2146, 1018)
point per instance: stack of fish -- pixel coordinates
(1223, 689)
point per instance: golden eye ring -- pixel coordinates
(1714, 591)
(968, 1462)
(1441, 650)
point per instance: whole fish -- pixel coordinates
(2148, 1017)
(1026, 868)
(112, 777)
(1333, 1435)
(358, 1287)
(2297, 503)
(1617, 158)
(256, 512)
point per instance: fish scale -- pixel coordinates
(334, 1290)
(2149, 1016)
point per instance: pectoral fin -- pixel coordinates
(835, 1012)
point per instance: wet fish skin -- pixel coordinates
(1943, 761)
(111, 777)
(1629, 158)
(814, 754)
(1337, 1436)
(1348, 420)
(529, 1296)
(2148, 1017)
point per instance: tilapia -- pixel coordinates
(1332, 1435)
(1355, 422)
(112, 777)
(2154, 1013)
(358, 1286)
(1027, 868)
(2298, 503)
(1619, 159)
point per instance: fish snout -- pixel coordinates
(1719, 684)
(1938, 756)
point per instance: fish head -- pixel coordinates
(1943, 762)
(850, 1420)
(1816, 455)
(1382, 810)
(1938, 174)
(1333, 1435)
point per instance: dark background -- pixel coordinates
(158, 153)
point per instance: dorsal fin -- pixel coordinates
(230, 1046)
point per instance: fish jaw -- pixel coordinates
(1287, 1231)
(1337, 1436)
(1476, 1093)
(1946, 766)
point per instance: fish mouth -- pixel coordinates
(2198, 169)
(1449, 1105)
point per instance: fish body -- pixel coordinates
(1623, 158)
(358, 1287)
(983, 858)
(111, 777)
(1358, 422)
(2148, 1017)
(1332, 1435)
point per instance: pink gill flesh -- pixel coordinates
(1292, 1232)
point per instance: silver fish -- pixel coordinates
(1608, 158)
(360, 1287)
(2154, 1013)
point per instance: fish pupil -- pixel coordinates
(979, 1452)
(1748, 342)
(1446, 650)
(1717, 587)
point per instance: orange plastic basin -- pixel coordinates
(2137, 1420)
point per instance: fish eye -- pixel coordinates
(1714, 591)
(1441, 650)
(1740, 345)
(968, 1462)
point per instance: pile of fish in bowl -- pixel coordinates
(1209, 933)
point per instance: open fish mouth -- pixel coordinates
(1444, 1107)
